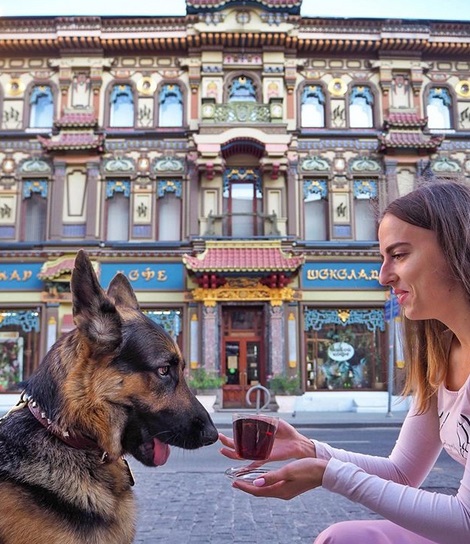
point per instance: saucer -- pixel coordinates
(246, 474)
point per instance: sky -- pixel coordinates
(454, 10)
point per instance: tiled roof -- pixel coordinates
(405, 119)
(60, 268)
(77, 119)
(405, 130)
(242, 256)
(415, 140)
(74, 140)
(51, 270)
(193, 6)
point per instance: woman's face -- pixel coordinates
(416, 269)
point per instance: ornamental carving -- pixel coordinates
(260, 292)
(169, 164)
(445, 165)
(35, 166)
(314, 163)
(364, 164)
(119, 165)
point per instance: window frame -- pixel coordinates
(326, 105)
(109, 93)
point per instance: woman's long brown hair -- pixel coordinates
(442, 206)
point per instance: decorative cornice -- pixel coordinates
(56, 35)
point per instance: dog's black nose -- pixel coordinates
(209, 434)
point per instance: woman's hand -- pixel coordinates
(288, 444)
(287, 482)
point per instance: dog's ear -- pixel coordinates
(94, 313)
(120, 290)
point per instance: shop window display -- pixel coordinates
(19, 347)
(345, 350)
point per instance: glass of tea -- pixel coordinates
(253, 436)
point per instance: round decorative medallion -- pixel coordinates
(337, 87)
(15, 87)
(208, 109)
(146, 85)
(463, 88)
(8, 165)
(243, 17)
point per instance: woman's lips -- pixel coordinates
(401, 296)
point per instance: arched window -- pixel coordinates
(312, 107)
(315, 193)
(439, 108)
(170, 110)
(243, 203)
(242, 89)
(41, 107)
(117, 210)
(361, 107)
(365, 207)
(121, 106)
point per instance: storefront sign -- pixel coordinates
(340, 351)
(146, 276)
(20, 277)
(340, 275)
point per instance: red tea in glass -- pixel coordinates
(253, 435)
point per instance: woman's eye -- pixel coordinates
(163, 371)
(397, 256)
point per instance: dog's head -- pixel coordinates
(123, 376)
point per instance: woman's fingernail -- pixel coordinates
(259, 482)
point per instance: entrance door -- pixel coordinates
(243, 354)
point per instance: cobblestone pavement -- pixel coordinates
(202, 508)
(199, 506)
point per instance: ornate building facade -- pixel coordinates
(232, 163)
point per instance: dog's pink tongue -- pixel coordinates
(161, 452)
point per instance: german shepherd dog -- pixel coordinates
(112, 386)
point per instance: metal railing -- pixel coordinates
(219, 225)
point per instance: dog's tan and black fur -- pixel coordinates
(111, 387)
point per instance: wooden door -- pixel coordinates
(242, 354)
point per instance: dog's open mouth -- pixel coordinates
(153, 453)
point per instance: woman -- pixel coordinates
(424, 240)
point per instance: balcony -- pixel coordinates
(242, 225)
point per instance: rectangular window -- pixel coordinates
(365, 208)
(169, 217)
(117, 224)
(315, 202)
(35, 221)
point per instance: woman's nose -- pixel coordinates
(386, 274)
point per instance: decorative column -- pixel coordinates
(210, 341)
(93, 201)
(391, 180)
(194, 342)
(292, 339)
(192, 195)
(292, 192)
(51, 318)
(276, 340)
(57, 201)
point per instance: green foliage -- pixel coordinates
(201, 379)
(281, 384)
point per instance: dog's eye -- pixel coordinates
(163, 371)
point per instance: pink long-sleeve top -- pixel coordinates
(390, 486)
